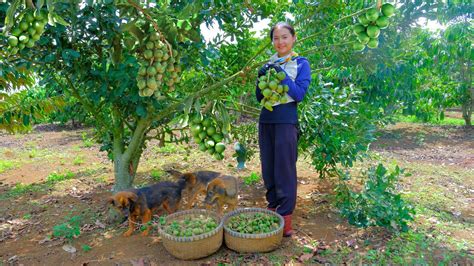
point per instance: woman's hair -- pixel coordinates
(282, 25)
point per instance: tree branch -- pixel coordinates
(136, 139)
(86, 105)
(324, 30)
(173, 108)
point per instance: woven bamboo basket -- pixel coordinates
(246, 243)
(194, 247)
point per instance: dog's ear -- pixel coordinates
(174, 173)
(190, 178)
(133, 197)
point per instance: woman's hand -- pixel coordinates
(266, 67)
(263, 70)
(276, 67)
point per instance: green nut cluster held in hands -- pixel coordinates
(370, 23)
(272, 89)
(159, 66)
(191, 226)
(253, 223)
(27, 30)
(208, 135)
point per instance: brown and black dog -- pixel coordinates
(140, 204)
(222, 190)
(196, 182)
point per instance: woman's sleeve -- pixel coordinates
(297, 89)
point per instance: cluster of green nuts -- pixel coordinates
(27, 30)
(208, 135)
(253, 223)
(367, 30)
(271, 88)
(159, 66)
(191, 226)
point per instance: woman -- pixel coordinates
(277, 130)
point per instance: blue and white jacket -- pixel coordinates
(298, 78)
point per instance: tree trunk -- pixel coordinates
(126, 159)
(467, 107)
(468, 102)
(123, 178)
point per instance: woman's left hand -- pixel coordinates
(276, 67)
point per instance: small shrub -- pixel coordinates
(253, 178)
(5, 165)
(56, 177)
(69, 229)
(156, 174)
(378, 203)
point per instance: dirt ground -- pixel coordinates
(29, 212)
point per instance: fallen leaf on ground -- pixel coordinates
(69, 248)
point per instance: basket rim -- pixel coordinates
(192, 238)
(252, 236)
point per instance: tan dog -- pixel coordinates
(222, 190)
(140, 204)
(196, 183)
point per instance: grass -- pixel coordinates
(170, 148)
(156, 174)
(86, 141)
(78, 160)
(252, 179)
(57, 177)
(101, 179)
(6, 165)
(447, 121)
(21, 189)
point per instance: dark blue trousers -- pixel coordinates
(278, 154)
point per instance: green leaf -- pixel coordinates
(40, 4)
(60, 20)
(26, 120)
(9, 19)
(179, 24)
(51, 19)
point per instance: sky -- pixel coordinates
(211, 33)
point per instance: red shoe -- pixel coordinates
(287, 230)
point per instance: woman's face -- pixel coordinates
(283, 41)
